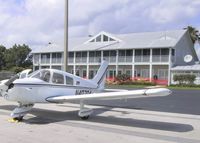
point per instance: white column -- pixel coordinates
(74, 64)
(39, 65)
(50, 61)
(150, 71)
(133, 64)
(87, 76)
(102, 56)
(169, 67)
(116, 62)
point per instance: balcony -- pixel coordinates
(94, 59)
(81, 60)
(45, 61)
(36, 62)
(57, 61)
(142, 59)
(111, 59)
(71, 60)
(125, 59)
(162, 58)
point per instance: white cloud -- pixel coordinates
(32, 22)
(37, 22)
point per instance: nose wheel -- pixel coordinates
(20, 111)
(85, 117)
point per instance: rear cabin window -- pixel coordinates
(58, 78)
(69, 80)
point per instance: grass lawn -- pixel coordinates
(183, 87)
(145, 86)
(125, 86)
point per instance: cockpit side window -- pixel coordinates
(58, 78)
(69, 80)
(46, 76)
(23, 75)
(43, 75)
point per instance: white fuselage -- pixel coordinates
(34, 90)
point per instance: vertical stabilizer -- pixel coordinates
(101, 75)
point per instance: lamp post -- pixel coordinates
(66, 37)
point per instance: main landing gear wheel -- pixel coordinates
(16, 119)
(85, 117)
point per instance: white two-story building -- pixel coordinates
(139, 55)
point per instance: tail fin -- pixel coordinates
(101, 75)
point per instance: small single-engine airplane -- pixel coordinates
(55, 86)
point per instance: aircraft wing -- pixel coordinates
(111, 95)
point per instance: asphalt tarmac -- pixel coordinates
(147, 120)
(180, 101)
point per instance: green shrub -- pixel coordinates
(16, 69)
(184, 79)
(123, 77)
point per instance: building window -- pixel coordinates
(98, 39)
(81, 57)
(105, 38)
(165, 52)
(36, 58)
(129, 53)
(36, 68)
(173, 52)
(122, 53)
(156, 52)
(56, 58)
(111, 39)
(71, 57)
(45, 58)
(146, 52)
(138, 52)
(95, 57)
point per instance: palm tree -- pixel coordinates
(194, 34)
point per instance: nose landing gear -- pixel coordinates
(19, 112)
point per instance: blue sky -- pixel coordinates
(36, 22)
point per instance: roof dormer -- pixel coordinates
(103, 37)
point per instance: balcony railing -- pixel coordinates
(125, 59)
(141, 59)
(36, 61)
(162, 58)
(111, 59)
(45, 61)
(71, 60)
(94, 59)
(57, 61)
(81, 60)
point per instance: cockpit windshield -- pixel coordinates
(42, 74)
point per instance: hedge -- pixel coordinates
(184, 79)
